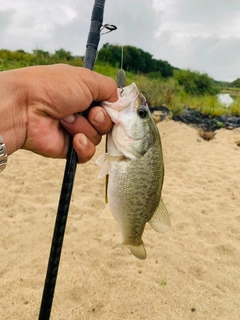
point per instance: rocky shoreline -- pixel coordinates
(195, 118)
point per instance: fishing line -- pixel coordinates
(121, 75)
(109, 14)
(121, 32)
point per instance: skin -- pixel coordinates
(40, 107)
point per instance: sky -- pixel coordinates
(201, 35)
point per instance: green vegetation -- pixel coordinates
(135, 60)
(161, 282)
(166, 85)
(236, 83)
(20, 58)
(195, 83)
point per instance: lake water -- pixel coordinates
(225, 99)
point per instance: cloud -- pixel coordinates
(33, 23)
(205, 17)
(137, 23)
(217, 56)
(5, 20)
(200, 35)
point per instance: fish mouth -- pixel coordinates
(128, 91)
(128, 95)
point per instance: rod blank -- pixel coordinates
(69, 175)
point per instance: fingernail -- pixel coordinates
(83, 140)
(100, 117)
(69, 119)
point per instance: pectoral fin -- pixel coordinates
(160, 220)
(101, 161)
(104, 161)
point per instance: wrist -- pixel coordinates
(12, 110)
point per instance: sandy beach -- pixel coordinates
(191, 272)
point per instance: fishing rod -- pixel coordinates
(70, 169)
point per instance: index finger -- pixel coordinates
(61, 90)
(100, 86)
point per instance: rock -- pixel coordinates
(204, 122)
(207, 135)
(159, 113)
(207, 123)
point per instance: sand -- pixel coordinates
(191, 272)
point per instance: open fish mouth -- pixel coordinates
(127, 96)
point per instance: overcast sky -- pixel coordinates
(202, 35)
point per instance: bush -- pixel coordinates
(236, 83)
(195, 83)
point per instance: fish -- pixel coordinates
(133, 165)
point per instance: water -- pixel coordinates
(225, 99)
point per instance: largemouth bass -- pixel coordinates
(135, 169)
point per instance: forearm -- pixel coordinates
(13, 122)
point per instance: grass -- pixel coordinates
(162, 282)
(207, 105)
(231, 90)
(167, 92)
(161, 91)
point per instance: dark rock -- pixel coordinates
(207, 123)
(164, 111)
(229, 122)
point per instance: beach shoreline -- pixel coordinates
(191, 272)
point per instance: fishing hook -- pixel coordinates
(145, 95)
(121, 90)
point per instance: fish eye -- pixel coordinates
(142, 112)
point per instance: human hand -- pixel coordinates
(47, 100)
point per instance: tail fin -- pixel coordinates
(138, 251)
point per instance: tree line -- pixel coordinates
(135, 60)
(138, 61)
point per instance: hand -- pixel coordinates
(46, 101)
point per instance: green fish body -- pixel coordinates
(135, 169)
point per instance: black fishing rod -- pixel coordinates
(69, 174)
